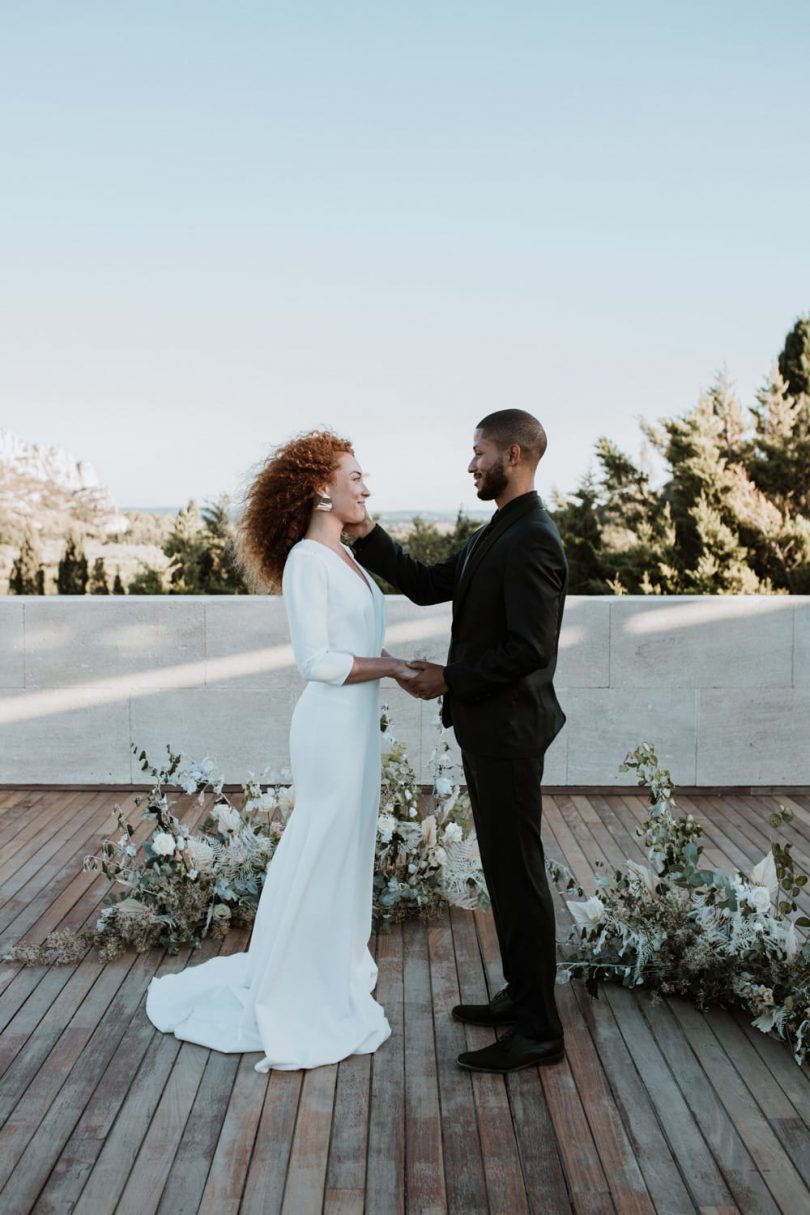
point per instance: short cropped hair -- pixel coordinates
(507, 426)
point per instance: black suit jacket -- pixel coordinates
(507, 611)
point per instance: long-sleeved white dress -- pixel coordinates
(301, 993)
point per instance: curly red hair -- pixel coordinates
(279, 503)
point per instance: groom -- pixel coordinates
(508, 586)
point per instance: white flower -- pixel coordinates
(440, 855)
(758, 898)
(764, 874)
(228, 819)
(386, 824)
(444, 786)
(590, 912)
(766, 1021)
(201, 852)
(453, 833)
(163, 843)
(286, 799)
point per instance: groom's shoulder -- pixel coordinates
(537, 524)
(538, 531)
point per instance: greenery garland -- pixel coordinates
(677, 928)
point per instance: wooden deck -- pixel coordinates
(656, 1107)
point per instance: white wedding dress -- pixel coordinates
(301, 993)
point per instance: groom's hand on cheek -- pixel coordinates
(429, 683)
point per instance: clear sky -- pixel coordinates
(222, 223)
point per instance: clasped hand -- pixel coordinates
(421, 679)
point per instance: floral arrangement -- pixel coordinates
(671, 925)
(423, 864)
(677, 928)
(179, 886)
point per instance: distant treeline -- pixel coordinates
(731, 517)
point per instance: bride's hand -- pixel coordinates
(403, 671)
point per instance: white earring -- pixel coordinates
(325, 503)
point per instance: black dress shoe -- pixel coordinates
(501, 1010)
(511, 1052)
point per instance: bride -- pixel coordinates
(301, 993)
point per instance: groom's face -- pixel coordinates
(488, 467)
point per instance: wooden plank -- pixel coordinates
(52, 892)
(652, 1150)
(575, 858)
(306, 1177)
(226, 1176)
(122, 1142)
(701, 1175)
(424, 1161)
(144, 1184)
(716, 1123)
(778, 1058)
(24, 862)
(765, 1089)
(42, 1116)
(267, 1171)
(461, 1146)
(499, 1146)
(29, 1084)
(385, 1189)
(777, 1170)
(81, 1152)
(68, 1138)
(539, 1151)
(49, 870)
(345, 1185)
(19, 823)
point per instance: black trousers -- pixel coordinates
(507, 808)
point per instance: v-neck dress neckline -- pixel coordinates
(361, 573)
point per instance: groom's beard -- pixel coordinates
(492, 483)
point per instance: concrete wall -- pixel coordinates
(720, 685)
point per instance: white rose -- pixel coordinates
(589, 913)
(759, 898)
(163, 843)
(264, 803)
(444, 786)
(228, 819)
(385, 827)
(453, 833)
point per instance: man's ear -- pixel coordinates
(514, 453)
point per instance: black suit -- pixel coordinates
(508, 586)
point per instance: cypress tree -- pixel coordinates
(27, 573)
(98, 578)
(72, 573)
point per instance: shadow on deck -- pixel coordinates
(656, 1107)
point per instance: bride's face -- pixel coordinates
(348, 491)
